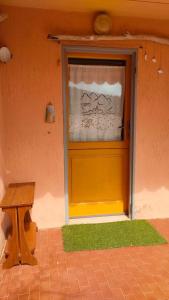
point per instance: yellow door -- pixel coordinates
(98, 106)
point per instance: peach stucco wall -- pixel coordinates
(34, 149)
(2, 170)
(152, 136)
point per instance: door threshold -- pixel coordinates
(98, 219)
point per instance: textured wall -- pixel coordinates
(152, 135)
(2, 169)
(34, 149)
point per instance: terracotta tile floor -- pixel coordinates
(128, 273)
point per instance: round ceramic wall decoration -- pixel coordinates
(102, 24)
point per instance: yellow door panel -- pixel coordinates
(98, 181)
(93, 209)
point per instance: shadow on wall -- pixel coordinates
(4, 219)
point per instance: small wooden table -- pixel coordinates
(17, 202)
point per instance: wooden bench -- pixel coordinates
(21, 242)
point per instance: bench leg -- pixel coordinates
(26, 256)
(12, 243)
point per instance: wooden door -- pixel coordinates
(98, 106)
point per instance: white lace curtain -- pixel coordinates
(98, 74)
(96, 102)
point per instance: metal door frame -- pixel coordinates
(100, 50)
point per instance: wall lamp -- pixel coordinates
(5, 54)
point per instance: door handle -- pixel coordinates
(126, 127)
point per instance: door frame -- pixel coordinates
(67, 49)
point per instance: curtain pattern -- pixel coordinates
(96, 102)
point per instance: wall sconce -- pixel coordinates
(50, 113)
(5, 54)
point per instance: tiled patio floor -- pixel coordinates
(128, 273)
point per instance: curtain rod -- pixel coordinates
(125, 37)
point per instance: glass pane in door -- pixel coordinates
(96, 102)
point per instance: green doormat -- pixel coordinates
(110, 235)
